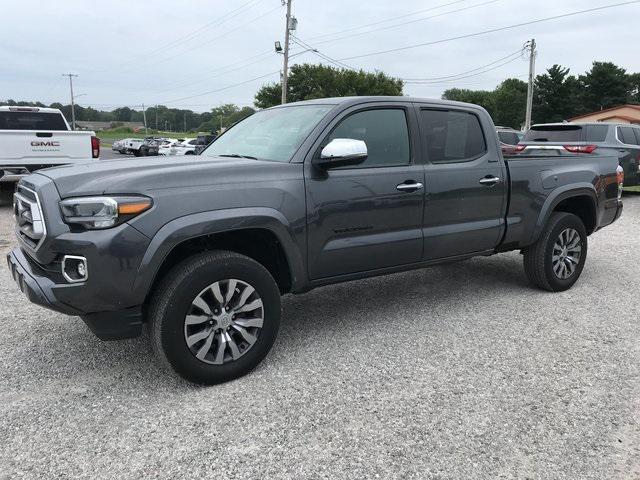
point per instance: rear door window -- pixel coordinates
(452, 136)
(626, 135)
(554, 133)
(32, 121)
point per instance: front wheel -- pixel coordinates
(215, 316)
(556, 260)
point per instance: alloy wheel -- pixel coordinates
(566, 253)
(224, 321)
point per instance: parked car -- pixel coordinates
(132, 145)
(509, 138)
(149, 147)
(167, 146)
(203, 139)
(32, 138)
(118, 146)
(606, 139)
(188, 146)
(334, 190)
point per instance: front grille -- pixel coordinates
(28, 215)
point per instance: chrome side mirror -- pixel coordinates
(341, 152)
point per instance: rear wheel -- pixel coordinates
(556, 260)
(215, 316)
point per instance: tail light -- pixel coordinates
(580, 148)
(520, 148)
(620, 180)
(95, 147)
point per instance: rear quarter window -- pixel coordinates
(626, 135)
(596, 133)
(32, 121)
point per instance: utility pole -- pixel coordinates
(156, 117)
(185, 122)
(285, 67)
(73, 107)
(144, 119)
(532, 72)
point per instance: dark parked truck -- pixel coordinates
(292, 198)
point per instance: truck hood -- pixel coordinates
(144, 175)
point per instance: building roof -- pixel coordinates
(635, 107)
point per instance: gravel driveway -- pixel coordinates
(460, 371)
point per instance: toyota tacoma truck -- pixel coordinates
(293, 198)
(32, 138)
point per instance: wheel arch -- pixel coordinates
(580, 201)
(259, 233)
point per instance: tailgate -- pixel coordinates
(50, 147)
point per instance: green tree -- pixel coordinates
(510, 103)
(555, 96)
(634, 84)
(484, 98)
(605, 85)
(224, 116)
(309, 81)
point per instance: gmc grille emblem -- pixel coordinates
(50, 143)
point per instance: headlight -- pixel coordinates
(102, 212)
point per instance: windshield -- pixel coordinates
(272, 134)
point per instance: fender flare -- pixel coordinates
(559, 195)
(202, 224)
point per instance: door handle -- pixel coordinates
(410, 187)
(489, 181)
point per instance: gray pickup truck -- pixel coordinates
(292, 198)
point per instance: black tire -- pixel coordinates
(538, 258)
(172, 300)
(137, 153)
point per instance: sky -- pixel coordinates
(199, 54)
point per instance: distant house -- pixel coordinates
(99, 126)
(620, 114)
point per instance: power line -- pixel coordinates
(222, 70)
(218, 21)
(211, 40)
(462, 74)
(402, 24)
(493, 30)
(441, 82)
(221, 89)
(385, 20)
(338, 63)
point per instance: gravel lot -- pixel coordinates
(460, 371)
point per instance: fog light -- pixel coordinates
(74, 269)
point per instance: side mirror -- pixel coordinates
(341, 152)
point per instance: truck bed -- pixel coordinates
(536, 183)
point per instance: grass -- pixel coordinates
(635, 189)
(107, 137)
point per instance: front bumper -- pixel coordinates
(41, 290)
(37, 287)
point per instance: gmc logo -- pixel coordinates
(50, 143)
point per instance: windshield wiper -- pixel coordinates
(237, 155)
